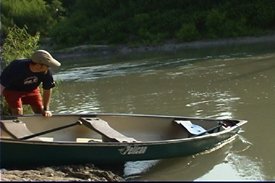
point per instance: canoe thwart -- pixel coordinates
(50, 130)
(17, 129)
(193, 129)
(107, 132)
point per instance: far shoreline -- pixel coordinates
(103, 50)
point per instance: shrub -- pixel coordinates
(18, 44)
(187, 32)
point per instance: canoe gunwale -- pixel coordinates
(237, 125)
(127, 115)
(157, 142)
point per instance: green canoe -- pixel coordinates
(34, 140)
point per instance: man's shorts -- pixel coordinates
(16, 99)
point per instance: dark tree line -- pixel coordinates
(73, 22)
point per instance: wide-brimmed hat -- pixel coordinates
(44, 57)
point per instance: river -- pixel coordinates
(236, 81)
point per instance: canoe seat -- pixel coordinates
(193, 129)
(17, 129)
(107, 132)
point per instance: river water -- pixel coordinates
(236, 81)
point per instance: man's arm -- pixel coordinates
(46, 101)
(1, 89)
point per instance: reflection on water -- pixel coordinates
(236, 166)
(236, 169)
(79, 103)
(133, 170)
(212, 84)
(222, 100)
(208, 165)
(141, 169)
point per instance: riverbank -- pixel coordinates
(169, 47)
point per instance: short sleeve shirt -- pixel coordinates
(18, 76)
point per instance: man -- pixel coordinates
(20, 80)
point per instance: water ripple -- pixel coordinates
(118, 69)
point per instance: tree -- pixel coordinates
(37, 15)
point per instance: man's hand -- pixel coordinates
(47, 113)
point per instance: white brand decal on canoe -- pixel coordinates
(133, 150)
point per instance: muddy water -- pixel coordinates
(222, 82)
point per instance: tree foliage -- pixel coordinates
(37, 15)
(74, 22)
(155, 21)
(19, 44)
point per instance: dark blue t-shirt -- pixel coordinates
(18, 76)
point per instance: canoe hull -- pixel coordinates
(15, 153)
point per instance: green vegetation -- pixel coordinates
(139, 22)
(157, 21)
(36, 15)
(18, 44)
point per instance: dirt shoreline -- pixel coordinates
(78, 173)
